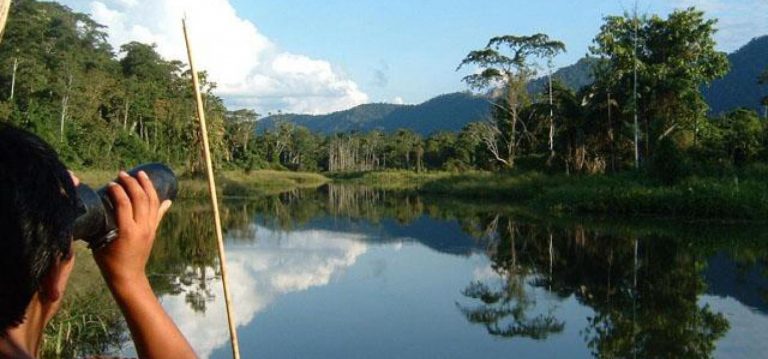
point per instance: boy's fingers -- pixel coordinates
(149, 189)
(75, 180)
(164, 207)
(123, 207)
(139, 198)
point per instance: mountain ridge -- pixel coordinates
(453, 111)
(447, 112)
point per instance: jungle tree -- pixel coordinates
(763, 80)
(506, 63)
(674, 58)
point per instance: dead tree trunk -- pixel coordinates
(64, 108)
(13, 77)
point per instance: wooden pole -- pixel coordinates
(5, 7)
(214, 197)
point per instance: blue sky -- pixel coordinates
(410, 49)
(315, 57)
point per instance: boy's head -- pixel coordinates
(38, 206)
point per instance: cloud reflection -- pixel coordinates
(277, 263)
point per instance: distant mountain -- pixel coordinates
(574, 76)
(451, 112)
(355, 119)
(740, 88)
(448, 112)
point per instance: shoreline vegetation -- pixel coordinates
(740, 196)
(101, 106)
(229, 183)
(90, 322)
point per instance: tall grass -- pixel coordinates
(737, 195)
(391, 180)
(741, 197)
(695, 198)
(519, 186)
(263, 182)
(229, 183)
(88, 322)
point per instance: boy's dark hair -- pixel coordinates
(38, 206)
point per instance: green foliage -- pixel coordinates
(744, 196)
(692, 198)
(101, 112)
(96, 110)
(89, 322)
(668, 164)
(673, 58)
(393, 180)
(509, 56)
(507, 186)
(734, 139)
(507, 63)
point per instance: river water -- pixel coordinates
(351, 272)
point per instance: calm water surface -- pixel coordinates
(348, 272)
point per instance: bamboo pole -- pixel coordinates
(5, 7)
(214, 197)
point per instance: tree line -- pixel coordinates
(60, 78)
(644, 110)
(101, 107)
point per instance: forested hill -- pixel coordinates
(448, 112)
(740, 87)
(574, 76)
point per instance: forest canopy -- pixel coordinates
(102, 107)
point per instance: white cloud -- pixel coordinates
(249, 69)
(485, 273)
(398, 101)
(277, 264)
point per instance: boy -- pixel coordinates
(38, 206)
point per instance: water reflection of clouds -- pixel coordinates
(746, 336)
(485, 272)
(277, 263)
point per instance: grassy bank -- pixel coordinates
(391, 180)
(735, 197)
(229, 183)
(254, 183)
(699, 198)
(89, 322)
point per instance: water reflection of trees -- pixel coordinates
(504, 307)
(642, 280)
(643, 290)
(185, 258)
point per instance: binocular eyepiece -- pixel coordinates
(96, 226)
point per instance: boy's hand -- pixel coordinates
(75, 180)
(122, 263)
(138, 213)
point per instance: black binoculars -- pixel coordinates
(96, 226)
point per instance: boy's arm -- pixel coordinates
(138, 214)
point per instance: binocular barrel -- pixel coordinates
(96, 226)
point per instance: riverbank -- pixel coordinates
(389, 180)
(89, 322)
(695, 198)
(727, 198)
(228, 183)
